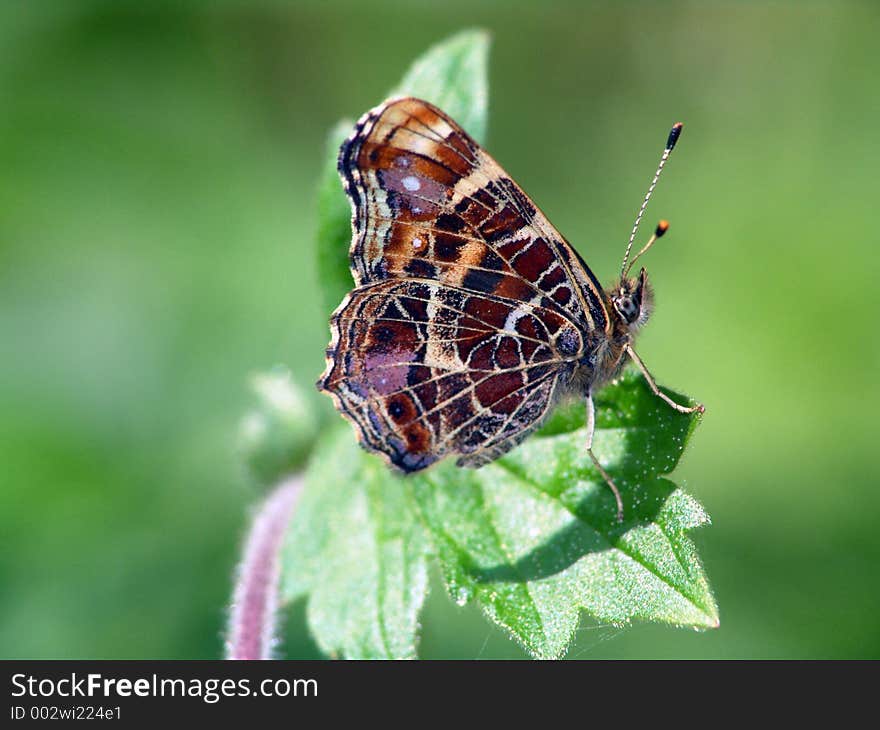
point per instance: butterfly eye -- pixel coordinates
(627, 308)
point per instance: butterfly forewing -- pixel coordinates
(470, 309)
(429, 202)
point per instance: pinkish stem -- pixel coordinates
(253, 614)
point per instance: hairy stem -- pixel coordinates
(253, 613)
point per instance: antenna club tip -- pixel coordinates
(674, 134)
(662, 227)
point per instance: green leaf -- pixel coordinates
(534, 537)
(357, 551)
(453, 75)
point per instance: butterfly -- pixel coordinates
(471, 314)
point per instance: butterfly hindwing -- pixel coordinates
(425, 370)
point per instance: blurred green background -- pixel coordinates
(157, 172)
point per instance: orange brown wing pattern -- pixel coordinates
(428, 202)
(425, 370)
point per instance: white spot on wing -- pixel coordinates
(411, 183)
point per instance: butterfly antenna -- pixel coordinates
(674, 134)
(661, 228)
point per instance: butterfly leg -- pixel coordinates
(591, 427)
(641, 366)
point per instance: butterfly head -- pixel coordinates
(633, 299)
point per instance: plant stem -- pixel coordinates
(253, 613)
